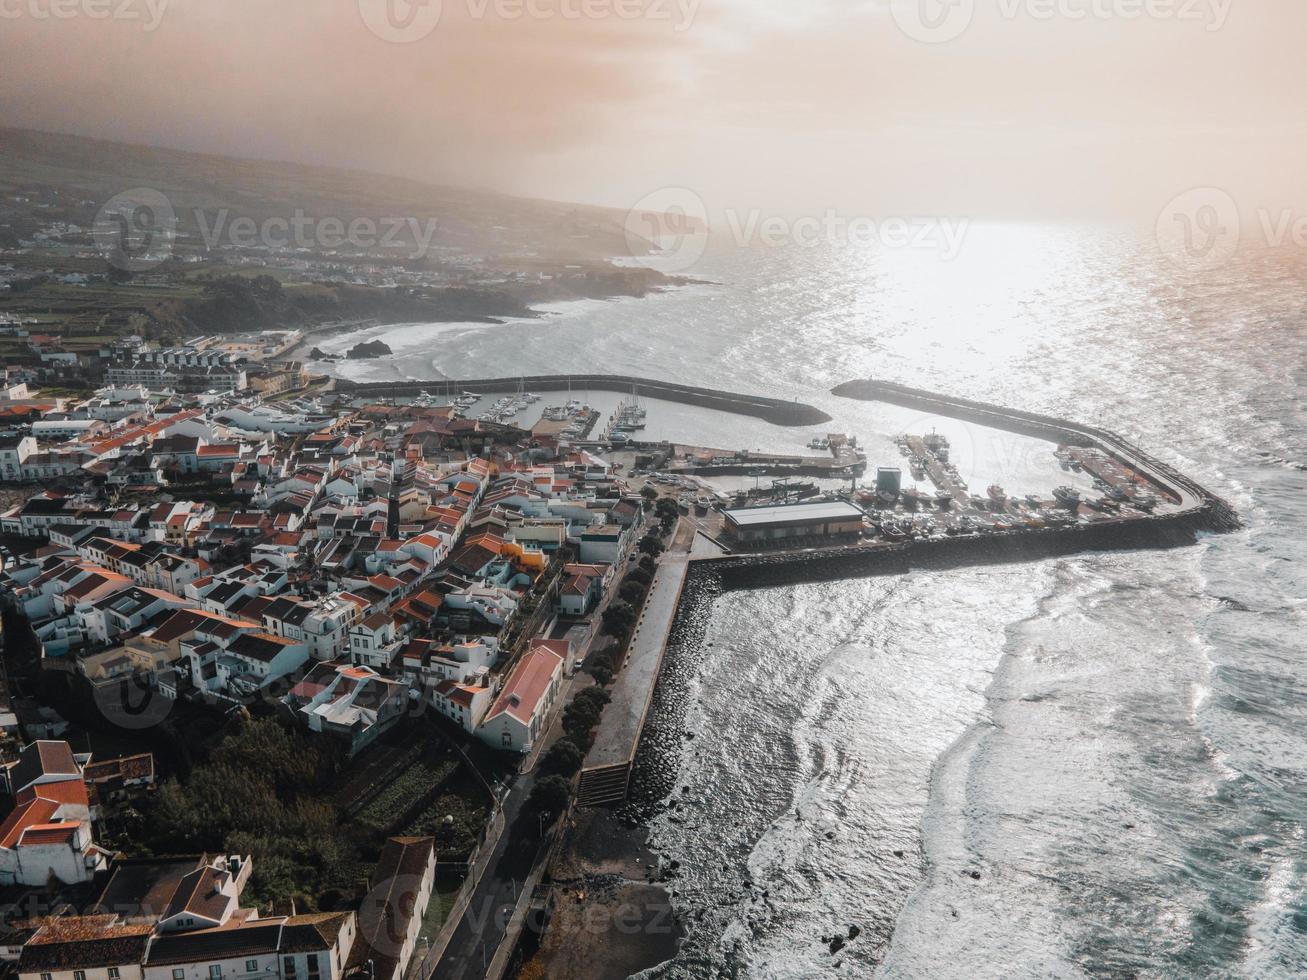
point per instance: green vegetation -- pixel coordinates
(261, 793)
(618, 619)
(602, 668)
(651, 545)
(632, 592)
(562, 759)
(455, 817)
(550, 795)
(407, 790)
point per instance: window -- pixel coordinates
(288, 966)
(251, 966)
(79, 975)
(215, 972)
(179, 974)
(46, 976)
(113, 973)
(313, 964)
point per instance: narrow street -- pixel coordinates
(485, 922)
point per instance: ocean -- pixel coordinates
(1083, 766)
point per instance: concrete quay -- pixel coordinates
(607, 769)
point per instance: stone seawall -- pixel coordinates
(770, 409)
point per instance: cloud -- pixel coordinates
(766, 103)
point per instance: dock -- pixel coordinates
(941, 477)
(606, 773)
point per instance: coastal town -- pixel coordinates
(192, 554)
(430, 622)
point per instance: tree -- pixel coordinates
(551, 794)
(641, 576)
(647, 564)
(632, 592)
(649, 493)
(666, 507)
(581, 716)
(562, 759)
(594, 695)
(651, 545)
(602, 668)
(618, 619)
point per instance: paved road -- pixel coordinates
(477, 937)
(482, 929)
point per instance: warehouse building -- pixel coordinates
(823, 519)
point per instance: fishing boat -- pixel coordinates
(1067, 496)
(937, 444)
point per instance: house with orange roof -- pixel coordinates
(464, 704)
(517, 719)
(48, 833)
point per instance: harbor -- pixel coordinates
(1140, 503)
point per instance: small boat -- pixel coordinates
(996, 493)
(1067, 496)
(944, 500)
(937, 444)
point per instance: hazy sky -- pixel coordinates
(1037, 108)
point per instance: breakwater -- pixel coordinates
(1212, 513)
(1197, 510)
(770, 409)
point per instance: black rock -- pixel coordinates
(369, 349)
(854, 932)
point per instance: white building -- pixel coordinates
(48, 834)
(518, 716)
